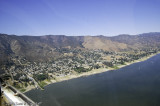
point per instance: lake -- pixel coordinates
(134, 85)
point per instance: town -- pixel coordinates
(23, 74)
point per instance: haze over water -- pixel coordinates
(134, 85)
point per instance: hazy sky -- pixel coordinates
(79, 17)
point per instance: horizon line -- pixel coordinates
(77, 35)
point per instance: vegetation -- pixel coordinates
(81, 69)
(42, 84)
(23, 90)
(97, 66)
(16, 85)
(115, 67)
(40, 77)
(109, 64)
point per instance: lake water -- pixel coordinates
(134, 85)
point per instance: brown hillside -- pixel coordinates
(97, 42)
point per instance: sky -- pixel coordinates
(79, 17)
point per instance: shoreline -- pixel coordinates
(92, 72)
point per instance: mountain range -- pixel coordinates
(40, 48)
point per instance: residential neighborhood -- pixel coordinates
(22, 73)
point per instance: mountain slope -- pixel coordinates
(102, 43)
(146, 40)
(49, 47)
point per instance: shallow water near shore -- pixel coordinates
(134, 85)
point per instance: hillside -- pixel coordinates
(49, 47)
(141, 41)
(50, 58)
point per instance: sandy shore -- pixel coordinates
(94, 71)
